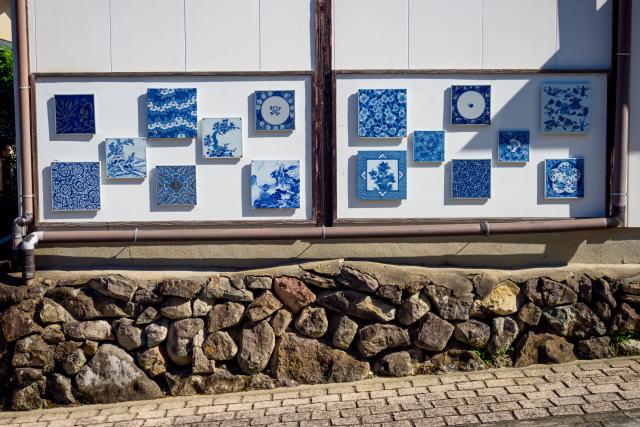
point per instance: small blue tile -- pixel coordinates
(470, 105)
(176, 185)
(382, 175)
(126, 158)
(275, 184)
(566, 107)
(513, 146)
(428, 146)
(382, 113)
(471, 179)
(172, 113)
(75, 186)
(564, 178)
(221, 138)
(75, 115)
(275, 110)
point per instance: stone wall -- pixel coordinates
(115, 337)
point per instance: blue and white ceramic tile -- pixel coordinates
(470, 105)
(172, 113)
(176, 185)
(566, 107)
(75, 186)
(428, 146)
(471, 179)
(126, 158)
(221, 138)
(564, 178)
(382, 175)
(382, 113)
(275, 184)
(513, 146)
(75, 115)
(275, 110)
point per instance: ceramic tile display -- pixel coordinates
(382, 113)
(566, 107)
(172, 113)
(75, 186)
(275, 184)
(470, 105)
(513, 146)
(564, 178)
(75, 115)
(221, 138)
(176, 185)
(471, 179)
(382, 175)
(126, 158)
(275, 110)
(428, 146)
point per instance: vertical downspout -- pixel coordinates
(621, 130)
(24, 118)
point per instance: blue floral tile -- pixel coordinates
(470, 105)
(75, 115)
(275, 184)
(513, 146)
(471, 179)
(428, 146)
(564, 178)
(221, 138)
(126, 158)
(566, 107)
(172, 113)
(176, 185)
(382, 113)
(275, 110)
(75, 186)
(382, 175)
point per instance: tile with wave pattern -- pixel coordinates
(172, 113)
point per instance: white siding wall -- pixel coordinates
(634, 143)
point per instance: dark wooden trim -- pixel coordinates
(46, 225)
(332, 156)
(611, 110)
(476, 72)
(34, 151)
(435, 221)
(179, 74)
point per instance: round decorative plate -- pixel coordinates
(471, 104)
(275, 110)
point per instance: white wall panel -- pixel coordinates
(148, 35)
(517, 191)
(634, 142)
(72, 35)
(371, 34)
(445, 34)
(584, 34)
(222, 35)
(286, 41)
(223, 186)
(519, 34)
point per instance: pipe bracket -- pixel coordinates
(484, 226)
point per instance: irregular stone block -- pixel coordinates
(356, 280)
(357, 305)
(397, 364)
(280, 321)
(293, 293)
(183, 288)
(530, 314)
(180, 340)
(504, 331)
(262, 307)
(575, 321)
(156, 333)
(473, 333)
(256, 345)
(544, 348)
(312, 322)
(114, 286)
(502, 300)
(128, 335)
(595, 348)
(152, 361)
(433, 333)
(219, 346)
(413, 309)
(344, 333)
(220, 287)
(373, 339)
(176, 308)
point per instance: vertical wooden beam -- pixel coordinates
(322, 122)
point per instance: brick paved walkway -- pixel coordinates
(580, 389)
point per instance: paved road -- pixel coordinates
(585, 393)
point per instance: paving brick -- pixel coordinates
(355, 396)
(521, 389)
(471, 385)
(547, 394)
(535, 403)
(325, 398)
(325, 415)
(255, 413)
(494, 417)
(369, 387)
(385, 409)
(628, 404)
(293, 402)
(604, 388)
(506, 406)
(415, 406)
(526, 414)
(396, 385)
(479, 400)
(448, 402)
(345, 421)
(378, 418)
(502, 382)
(313, 392)
(573, 391)
(566, 410)
(315, 423)
(280, 410)
(480, 376)
(412, 390)
(602, 397)
(188, 420)
(453, 379)
(472, 409)
(255, 398)
(155, 422)
(355, 412)
(493, 391)
(266, 420)
(425, 381)
(441, 387)
(371, 402)
(455, 420)
(510, 397)
(431, 396)
(443, 411)
(295, 417)
(401, 399)
(383, 393)
(599, 407)
(340, 405)
(429, 422)
(509, 373)
(183, 412)
(408, 415)
(556, 385)
(573, 400)
(265, 404)
(630, 394)
(461, 393)
(311, 407)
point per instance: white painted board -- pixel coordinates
(517, 191)
(223, 185)
(634, 137)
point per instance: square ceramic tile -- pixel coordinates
(566, 107)
(75, 186)
(75, 115)
(564, 178)
(428, 146)
(382, 113)
(172, 113)
(513, 146)
(176, 185)
(471, 179)
(275, 184)
(275, 110)
(221, 138)
(382, 175)
(470, 105)
(126, 158)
